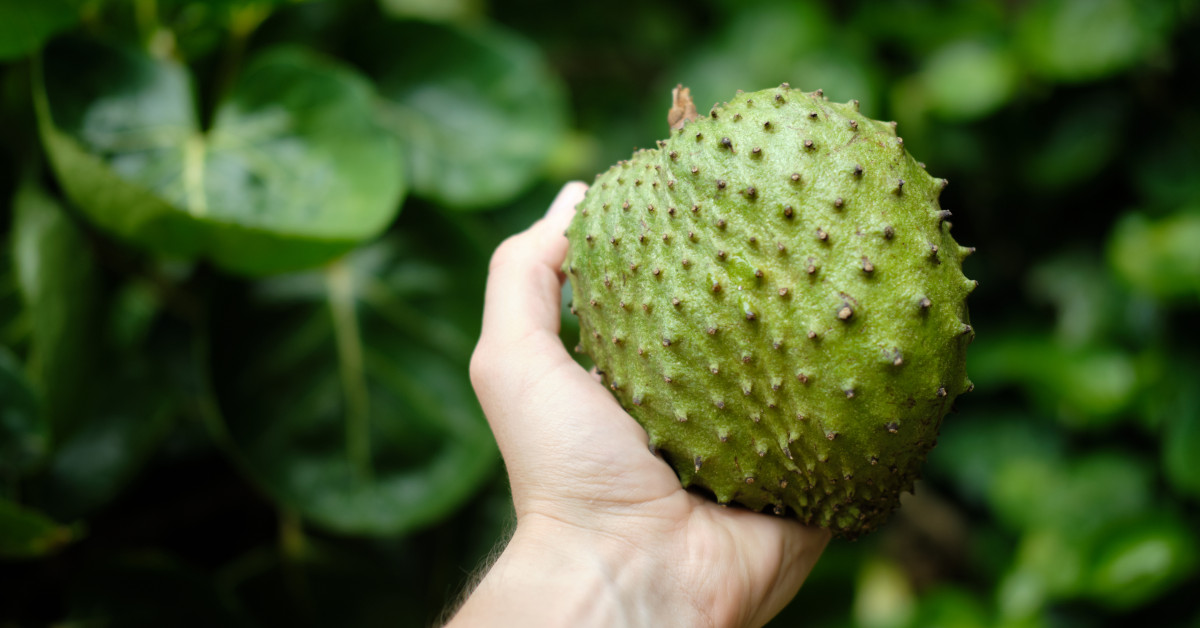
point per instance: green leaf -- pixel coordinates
(433, 10)
(26, 533)
(129, 412)
(1079, 40)
(1079, 144)
(1087, 301)
(883, 596)
(25, 25)
(1050, 564)
(477, 108)
(969, 79)
(58, 282)
(1088, 387)
(973, 449)
(1159, 257)
(24, 431)
(1077, 496)
(1141, 560)
(371, 426)
(292, 173)
(768, 44)
(950, 607)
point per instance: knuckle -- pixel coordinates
(509, 251)
(480, 367)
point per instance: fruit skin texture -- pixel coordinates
(774, 294)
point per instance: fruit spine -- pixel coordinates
(774, 294)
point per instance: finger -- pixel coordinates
(523, 299)
(801, 547)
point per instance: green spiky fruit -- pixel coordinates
(774, 294)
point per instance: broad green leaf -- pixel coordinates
(1076, 496)
(371, 426)
(919, 29)
(884, 596)
(1086, 299)
(24, 430)
(1050, 564)
(768, 44)
(26, 24)
(26, 533)
(292, 173)
(129, 412)
(434, 10)
(59, 283)
(1141, 560)
(972, 449)
(1159, 257)
(1079, 40)
(950, 608)
(1087, 387)
(968, 79)
(477, 108)
(1083, 139)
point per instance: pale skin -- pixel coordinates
(605, 535)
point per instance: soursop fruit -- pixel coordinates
(774, 294)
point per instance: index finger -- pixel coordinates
(523, 299)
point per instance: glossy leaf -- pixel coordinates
(972, 449)
(1159, 257)
(129, 412)
(1142, 559)
(479, 114)
(885, 598)
(950, 608)
(24, 431)
(58, 281)
(769, 44)
(1077, 144)
(292, 173)
(969, 79)
(25, 25)
(1086, 300)
(1086, 387)
(27, 533)
(1050, 564)
(433, 10)
(1076, 40)
(372, 427)
(1075, 496)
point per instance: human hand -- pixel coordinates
(605, 533)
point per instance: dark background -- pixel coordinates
(178, 438)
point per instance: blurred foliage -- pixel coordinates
(233, 372)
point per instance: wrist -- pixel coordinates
(556, 574)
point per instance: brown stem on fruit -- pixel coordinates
(683, 110)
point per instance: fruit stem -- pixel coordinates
(683, 110)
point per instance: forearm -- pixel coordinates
(558, 576)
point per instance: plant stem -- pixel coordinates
(243, 21)
(340, 284)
